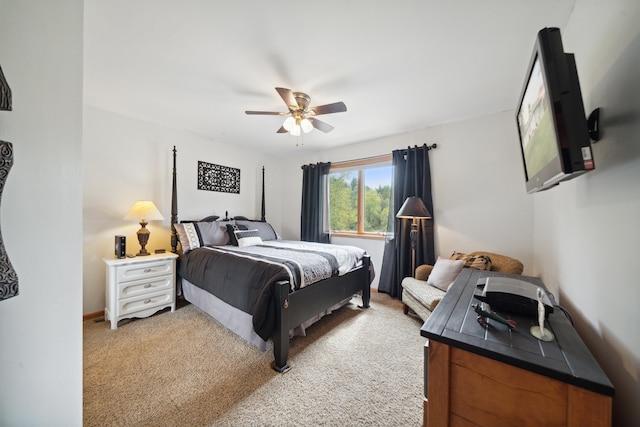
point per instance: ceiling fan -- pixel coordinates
(301, 116)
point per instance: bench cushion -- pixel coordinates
(420, 297)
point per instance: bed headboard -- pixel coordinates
(174, 203)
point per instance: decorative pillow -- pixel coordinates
(209, 218)
(444, 273)
(265, 230)
(188, 235)
(231, 228)
(481, 262)
(213, 233)
(247, 237)
(197, 234)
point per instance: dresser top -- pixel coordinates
(139, 259)
(566, 358)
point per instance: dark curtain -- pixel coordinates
(313, 203)
(411, 177)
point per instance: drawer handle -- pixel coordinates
(148, 270)
(147, 301)
(148, 285)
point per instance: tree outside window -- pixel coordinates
(359, 199)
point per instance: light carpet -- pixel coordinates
(354, 367)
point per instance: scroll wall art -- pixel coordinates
(8, 276)
(218, 178)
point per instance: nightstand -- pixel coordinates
(140, 286)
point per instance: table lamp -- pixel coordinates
(413, 208)
(143, 211)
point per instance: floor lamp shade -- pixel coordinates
(413, 208)
(143, 211)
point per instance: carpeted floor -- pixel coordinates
(355, 367)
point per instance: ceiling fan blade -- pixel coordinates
(336, 107)
(287, 97)
(282, 130)
(321, 126)
(268, 113)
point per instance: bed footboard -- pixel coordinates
(294, 308)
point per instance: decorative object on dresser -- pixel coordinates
(263, 288)
(423, 293)
(414, 209)
(8, 276)
(139, 287)
(143, 211)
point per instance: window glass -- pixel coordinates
(359, 198)
(343, 201)
(377, 187)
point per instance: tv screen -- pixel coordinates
(552, 126)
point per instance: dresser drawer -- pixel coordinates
(144, 286)
(144, 302)
(144, 270)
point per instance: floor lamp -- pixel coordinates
(413, 208)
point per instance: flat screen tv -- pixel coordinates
(552, 126)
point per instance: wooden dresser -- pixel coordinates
(496, 377)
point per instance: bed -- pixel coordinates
(259, 286)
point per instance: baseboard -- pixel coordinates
(95, 315)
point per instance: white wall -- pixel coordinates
(587, 230)
(478, 189)
(129, 160)
(41, 332)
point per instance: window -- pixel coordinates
(359, 195)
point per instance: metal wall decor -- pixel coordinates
(8, 276)
(5, 93)
(218, 178)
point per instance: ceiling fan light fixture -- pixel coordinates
(298, 104)
(295, 131)
(290, 124)
(306, 125)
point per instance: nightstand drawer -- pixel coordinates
(144, 302)
(144, 286)
(144, 270)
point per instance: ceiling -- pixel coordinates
(401, 65)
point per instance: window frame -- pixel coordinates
(360, 166)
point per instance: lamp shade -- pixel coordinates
(306, 125)
(289, 124)
(144, 210)
(413, 207)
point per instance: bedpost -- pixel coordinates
(174, 206)
(262, 218)
(366, 287)
(280, 336)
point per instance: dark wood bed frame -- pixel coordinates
(294, 308)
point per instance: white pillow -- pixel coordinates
(444, 273)
(247, 237)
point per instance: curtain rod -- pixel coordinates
(382, 158)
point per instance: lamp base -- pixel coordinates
(143, 238)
